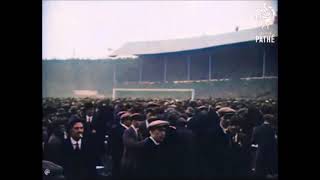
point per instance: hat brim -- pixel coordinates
(159, 126)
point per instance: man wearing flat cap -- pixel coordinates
(117, 116)
(154, 160)
(132, 141)
(116, 142)
(143, 130)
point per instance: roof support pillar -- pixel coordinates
(188, 70)
(165, 69)
(210, 64)
(114, 73)
(140, 69)
(264, 63)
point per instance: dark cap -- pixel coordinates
(136, 116)
(202, 108)
(181, 121)
(268, 118)
(152, 118)
(73, 109)
(88, 105)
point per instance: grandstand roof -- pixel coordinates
(175, 45)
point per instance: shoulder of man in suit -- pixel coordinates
(147, 141)
(130, 130)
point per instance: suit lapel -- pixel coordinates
(133, 132)
(69, 147)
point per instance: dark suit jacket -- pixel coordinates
(116, 148)
(95, 140)
(211, 145)
(153, 161)
(132, 150)
(78, 165)
(89, 126)
(102, 121)
(185, 153)
(266, 154)
(116, 141)
(143, 130)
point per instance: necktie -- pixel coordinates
(77, 147)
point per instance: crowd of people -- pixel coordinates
(166, 138)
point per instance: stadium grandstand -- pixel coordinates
(225, 65)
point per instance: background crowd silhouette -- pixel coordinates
(86, 138)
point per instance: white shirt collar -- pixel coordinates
(74, 142)
(154, 141)
(124, 125)
(224, 130)
(89, 118)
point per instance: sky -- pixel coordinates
(93, 29)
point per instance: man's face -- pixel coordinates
(232, 129)
(158, 134)
(90, 112)
(137, 124)
(127, 122)
(76, 131)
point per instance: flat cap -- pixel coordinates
(136, 116)
(268, 117)
(152, 118)
(120, 113)
(158, 124)
(126, 115)
(218, 107)
(202, 108)
(225, 110)
(152, 104)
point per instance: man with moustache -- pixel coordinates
(77, 156)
